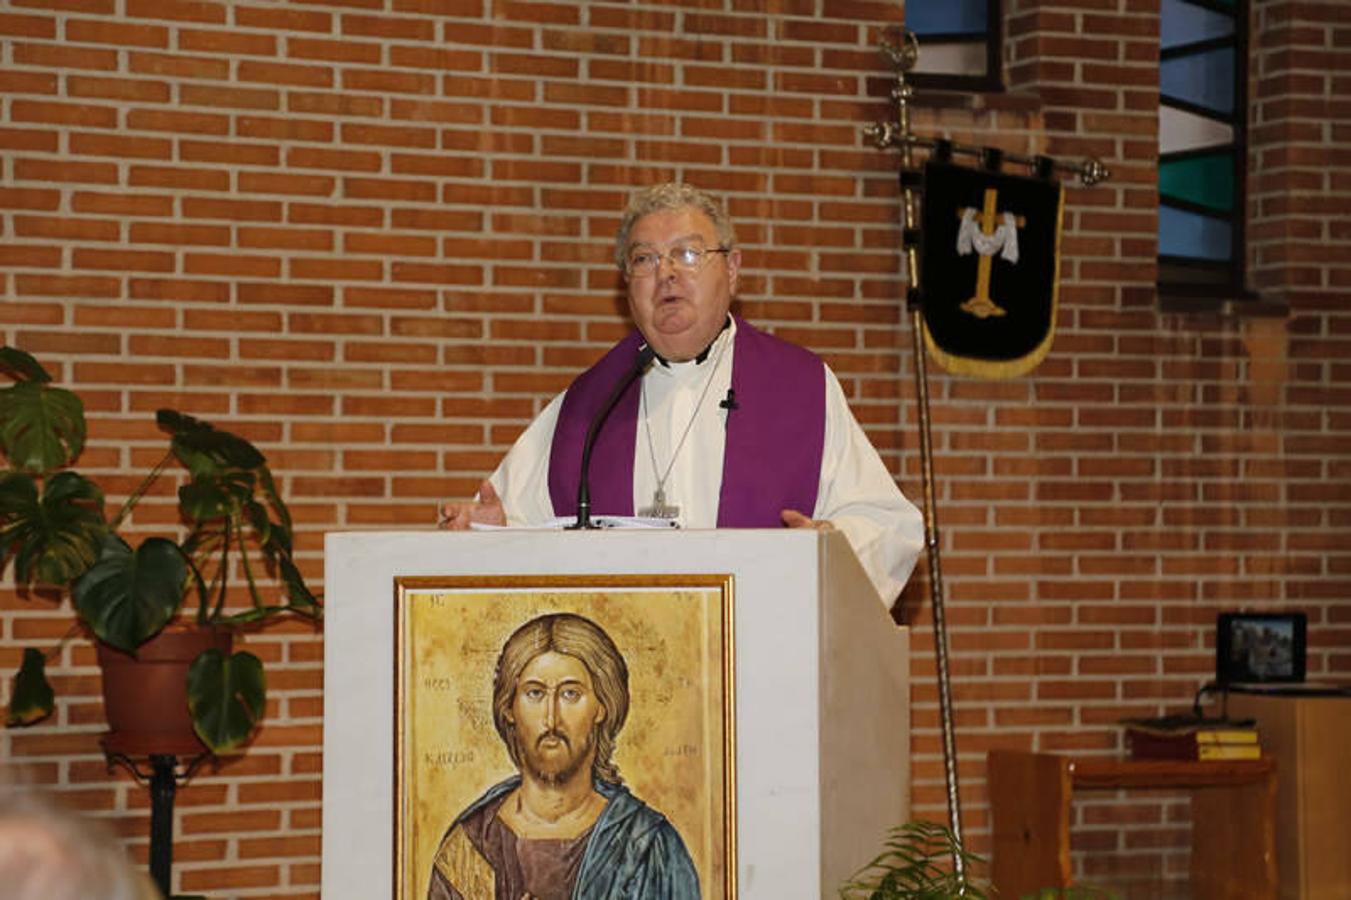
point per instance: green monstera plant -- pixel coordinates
(53, 528)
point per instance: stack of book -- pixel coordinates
(1188, 737)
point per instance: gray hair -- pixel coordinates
(672, 195)
(48, 852)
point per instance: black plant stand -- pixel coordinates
(163, 780)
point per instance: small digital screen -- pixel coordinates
(1260, 648)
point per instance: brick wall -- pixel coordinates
(373, 236)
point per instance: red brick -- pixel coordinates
(235, 876)
(379, 80)
(88, 115)
(235, 154)
(179, 177)
(70, 286)
(327, 269)
(394, 243)
(334, 50)
(128, 260)
(178, 289)
(177, 122)
(288, 183)
(227, 42)
(346, 160)
(282, 19)
(229, 97)
(66, 228)
(389, 189)
(386, 26)
(236, 264)
(284, 238)
(285, 73)
(312, 214)
(87, 144)
(84, 31)
(63, 57)
(28, 82)
(285, 293)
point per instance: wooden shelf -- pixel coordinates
(1095, 774)
(1233, 818)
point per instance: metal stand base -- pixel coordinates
(163, 779)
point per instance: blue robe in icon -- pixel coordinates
(631, 853)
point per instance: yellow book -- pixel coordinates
(1228, 751)
(1226, 736)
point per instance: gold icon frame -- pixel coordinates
(676, 752)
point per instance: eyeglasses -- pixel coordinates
(687, 258)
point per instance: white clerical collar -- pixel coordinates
(673, 369)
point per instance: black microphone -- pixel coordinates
(645, 356)
(729, 402)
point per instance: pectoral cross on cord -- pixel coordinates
(660, 509)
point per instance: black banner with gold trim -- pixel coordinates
(989, 263)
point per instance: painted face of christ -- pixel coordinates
(555, 713)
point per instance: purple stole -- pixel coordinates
(775, 437)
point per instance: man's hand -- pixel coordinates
(487, 510)
(794, 519)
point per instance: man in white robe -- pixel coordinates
(678, 254)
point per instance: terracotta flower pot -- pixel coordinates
(145, 697)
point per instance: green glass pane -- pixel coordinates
(1207, 180)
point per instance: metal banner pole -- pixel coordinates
(903, 59)
(903, 54)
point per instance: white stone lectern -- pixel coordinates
(821, 690)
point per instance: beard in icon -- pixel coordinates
(551, 758)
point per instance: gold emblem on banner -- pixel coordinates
(997, 237)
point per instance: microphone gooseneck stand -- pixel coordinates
(645, 356)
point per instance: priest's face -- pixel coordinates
(680, 281)
(555, 713)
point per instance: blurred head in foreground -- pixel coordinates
(48, 852)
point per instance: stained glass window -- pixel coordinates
(1202, 146)
(958, 43)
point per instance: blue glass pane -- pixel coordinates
(1183, 233)
(946, 17)
(1204, 79)
(1183, 23)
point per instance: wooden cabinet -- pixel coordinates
(1310, 739)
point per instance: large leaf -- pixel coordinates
(226, 696)
(256, 515)
(215, 495)
(32, 699)
(19, 511)
(22, 364)
(204, 449)
(55, 538)
(41, 427)
(274, 498)
(128, 597)
(302, 598)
